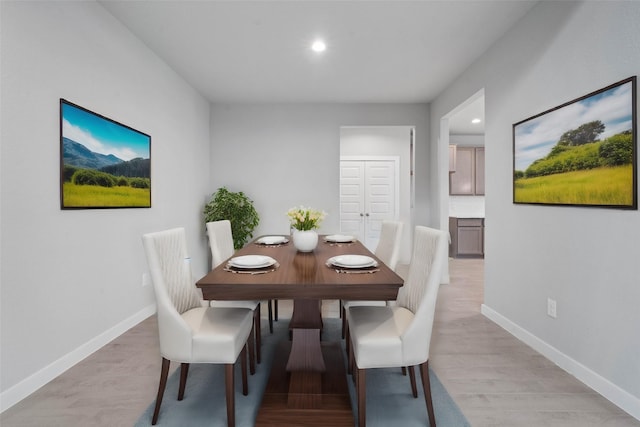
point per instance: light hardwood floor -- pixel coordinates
(494, 378)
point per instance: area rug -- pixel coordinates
(389, 399)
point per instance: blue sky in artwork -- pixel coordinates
(103, 136)
(535, 138)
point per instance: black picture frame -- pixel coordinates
(104, 164)
(581, 153)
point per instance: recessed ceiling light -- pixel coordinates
(318, 46)
(476, 121)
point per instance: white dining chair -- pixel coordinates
(388, 251)
(221, 245)
(190, 332)
(399, 335)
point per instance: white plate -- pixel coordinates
(339, 238)
(251, 261)
(272, 240)
(353, 261)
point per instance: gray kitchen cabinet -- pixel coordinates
(467, 237)
(468, 178)
(452, 158)
(479, 171)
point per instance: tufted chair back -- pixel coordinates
(420, 291)
(175, 291)
(220, 241)
(388, 249)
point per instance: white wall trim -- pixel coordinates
(601, 385)
(32, 383)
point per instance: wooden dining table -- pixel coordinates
(307, 384)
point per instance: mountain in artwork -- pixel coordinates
(76, 154)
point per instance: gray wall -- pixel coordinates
(587, 259)
(72, 280)
(289, 155)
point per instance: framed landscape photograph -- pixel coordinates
(103, 163)
(582, 153)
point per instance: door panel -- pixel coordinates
(479, 190)
(370, 186)
(351, 198)
(379, 199)
(461, 181)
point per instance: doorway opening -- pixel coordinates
(376, 181)
(462, 182)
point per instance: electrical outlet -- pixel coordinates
(146, 280)
(551, 308)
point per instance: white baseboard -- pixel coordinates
(24, 388)
(446, 279)
(601, 385)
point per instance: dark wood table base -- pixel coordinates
(331, 406)
(313, 389)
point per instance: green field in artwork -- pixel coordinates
(78, 196)
(600, 186)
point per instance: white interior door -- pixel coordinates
(367, 197)
(352, 198)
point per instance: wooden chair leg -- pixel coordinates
(243, 366)
(343, 314)
(230, 394)
(258, 332)
(270, 308)
(184, 371)
(252, 348)
(404, 371)
(164, 372)
(426, 385)
(412, 378)
(275, 310)
(361, 391)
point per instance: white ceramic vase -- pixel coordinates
(305, 240)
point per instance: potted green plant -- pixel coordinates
(238, 209)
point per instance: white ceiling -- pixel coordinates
(377, 51)
(460, 122)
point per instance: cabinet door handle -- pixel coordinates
(367, 214)
(361, 214)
